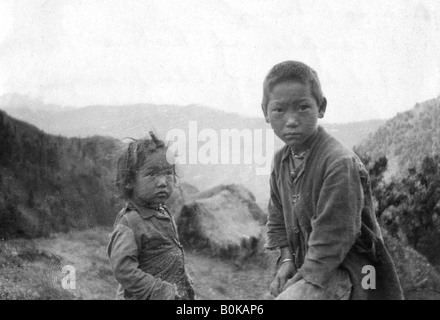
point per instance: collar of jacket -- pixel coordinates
(144, 212)
(311, 143)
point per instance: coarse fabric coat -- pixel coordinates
(323, 211)
(147, 257)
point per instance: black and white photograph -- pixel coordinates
(219, 150)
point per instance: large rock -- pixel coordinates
(224, 221)
(182, 194)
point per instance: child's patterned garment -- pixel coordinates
(146, 255)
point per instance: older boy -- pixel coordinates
(321, 214)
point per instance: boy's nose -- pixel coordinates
(292, 120)
(161, 180)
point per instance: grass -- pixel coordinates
(35, 270)
(26, 273)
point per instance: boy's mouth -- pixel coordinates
(292, 135)
(161, 193)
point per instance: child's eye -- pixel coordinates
(277, 110)
(303, 107)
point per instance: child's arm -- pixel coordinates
(337, 221)
(123, 252)
(286, 269)
(277, 238)
(276, 227)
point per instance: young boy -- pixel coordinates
(144, 250)
(321, 215)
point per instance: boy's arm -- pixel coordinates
(277, 239)
(336, 223)
(122, 251)
(276, 227)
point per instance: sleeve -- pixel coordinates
(122, 251)
(276, 227)
(336, 224)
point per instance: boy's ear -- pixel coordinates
(266, 117)
(322, 108)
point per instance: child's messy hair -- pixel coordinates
(132, 159)
(292, 70)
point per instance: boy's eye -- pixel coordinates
(164, 172)
(277, 110)
(303, 108)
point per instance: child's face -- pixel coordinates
(154, 181)
(293, 112)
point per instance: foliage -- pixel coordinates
(410, 208)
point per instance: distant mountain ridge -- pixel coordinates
(136, 120)
(407, 138)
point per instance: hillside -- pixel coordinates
(407, 138)
(51, 183)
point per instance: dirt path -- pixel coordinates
(43, 259)
(223, 279)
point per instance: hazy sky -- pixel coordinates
(375, 57)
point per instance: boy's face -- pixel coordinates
(293, 113)
(154, 181)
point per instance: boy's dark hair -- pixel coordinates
(291, 70)
(132, 159)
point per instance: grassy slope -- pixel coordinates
(31, 269)
(406, 138)
(44, 258)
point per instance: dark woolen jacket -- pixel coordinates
(325, 215)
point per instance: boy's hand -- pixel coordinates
(292, 280)
(177, 295)
(285, 272)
